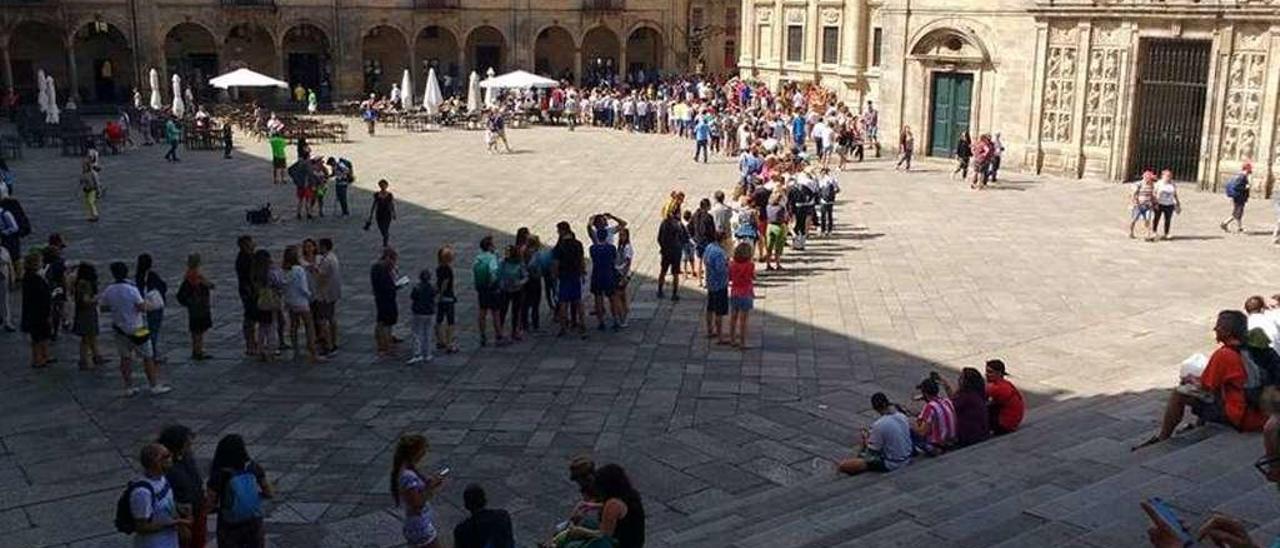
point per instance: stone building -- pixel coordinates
(831, 42)
(344, 48)
(1081, 88)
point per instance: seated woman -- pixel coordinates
(622, 520)
(1220, 396)
(970, 403)
(934, 431)
(586, 513)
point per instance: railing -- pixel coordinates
(604, 5)
(26, 2)
(436, 4)
(250, 3)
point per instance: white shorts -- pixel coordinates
(125, 347)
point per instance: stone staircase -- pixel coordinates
(1067, 478)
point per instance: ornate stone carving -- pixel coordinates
(1059, 96)
(1110, 33)
(1243, 113)
(764, 15)
(1102, 97)
(830, 16)
(795, 16)
(1064, 34)
(1251, 38)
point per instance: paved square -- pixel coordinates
(922, 274)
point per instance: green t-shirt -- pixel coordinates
(277, 147)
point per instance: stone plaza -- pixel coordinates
(727, 447)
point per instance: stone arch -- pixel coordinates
(644, 51)
(104, 62)
(601, 55)
(252, 46)
(190, 51)
(436, 46)
(385, 56)
(554, 52)
(36, 45)
(950, 40)
(486, 48)
(308, 58)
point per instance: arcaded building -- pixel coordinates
(344, 48)
(1080, 88)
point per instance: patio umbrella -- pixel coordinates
(156, 102)
(51, 113)
(42, 96)
(406, 91)
(178, 106)
(432, 97)
(490, 94)
(473, 93)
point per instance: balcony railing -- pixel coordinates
(604, 5)
(250, 3)
(436, 4)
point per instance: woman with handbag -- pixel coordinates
(266, 295)
(194, 294)
(154, 292)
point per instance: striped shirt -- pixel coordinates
(940, 415)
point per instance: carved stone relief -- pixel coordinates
(764, 15)
(1243, 114)
(795, 16)
(1102, 97)
(1059, 95)
(830, 16)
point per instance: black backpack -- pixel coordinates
(1262, 369)
(125, 522)
(19, 215)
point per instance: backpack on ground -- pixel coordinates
(260, 216)
(241, 501)
(125, 522)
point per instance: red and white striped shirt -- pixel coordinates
(940, 415)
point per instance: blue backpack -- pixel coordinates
(241, 501)
(1237, 188)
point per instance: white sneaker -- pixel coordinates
(415, 360)
(430, 358)
(160, 389)
(132, 391)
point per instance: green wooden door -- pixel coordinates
(952, 97)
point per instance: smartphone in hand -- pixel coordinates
(1164, 517)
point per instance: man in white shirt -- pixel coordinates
(887, 445)
(129, 327)
(156, 519)
(1259, 318)
(328, 292)
(721, 214)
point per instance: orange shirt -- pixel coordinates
(1225, 377)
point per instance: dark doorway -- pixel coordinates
(104, 81)
(949, 113)
(304, 68)
(488, 57)
(1173, 78)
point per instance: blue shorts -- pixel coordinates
(1141, 211)
(741, 304)
(688, 252)
(570, 289)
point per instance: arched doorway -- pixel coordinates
(104, 63)
(251, 46)
(486, 49)
(190, 51)
(600, 51)
(307, 59)
(437, 47)
(949, 62)
(36, 46)
(644, 54)
(553, 53)
(386, 55)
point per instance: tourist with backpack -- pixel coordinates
(237, 486)
(188, 487)
(193, 293)
(513, 274)
(146, 509)
(1238, 192)
(1220, 396)
(343, 175)
(484, 277)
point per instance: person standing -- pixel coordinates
(90, 188)
(188, 487)
(266, 284)
(413, 491)
(906, 149)
(717, 278)
(568, 263)
(993, 165)
(227, 140)
(1167, 202)
(151, 502)
(512, 277)
(871, 121)
(382, 276)
(343, 176)
(484, 277)
(571, 111)
(604, 278)
(37, 307)
(964, 151)
(237, 486)
(156, 292)
(1141, 198)
(279, 163)
(193, 293)
(828, 188)
(701, 136)
(447, 301)
(423, 306)
(383, 211)
(311, 101)
(244, 288)
(172, 135)
(11, 228)
(776, 214)
(132, 335)
(85, 322)
(8, 281)
(328, 278)
(742, 274)
(672, 236)
(1238, 192)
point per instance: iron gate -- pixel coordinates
(1172, 83)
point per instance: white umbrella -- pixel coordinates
(432, 98)
(178, 106)
(406, 91)
(42, 96)
(156, 102)
(51, 114)
(245, 78)
(473, 93)
(518, 79)
(490, 93)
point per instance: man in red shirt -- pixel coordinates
(1223, 380)
(1004, 402)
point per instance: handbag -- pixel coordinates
(153, 301)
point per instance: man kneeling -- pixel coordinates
(887, 445)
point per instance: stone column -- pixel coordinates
(1035, 154)
(813, 39)
(577, 64)
(854, 27)
(747, 37)
(73, 77)
(620, 68)
(7, 65)
(1076, 147)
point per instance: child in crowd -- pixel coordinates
(423, 299)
